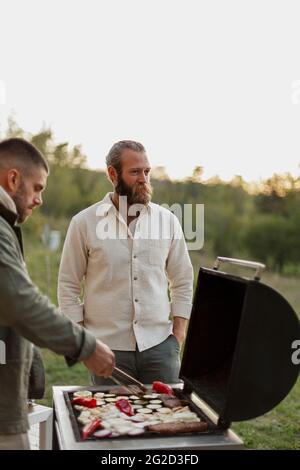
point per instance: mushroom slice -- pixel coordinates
(83, 394)
(99, 395)
(144, 410)
(124, 429)
(154, 407)
(101, 402)
(96, 411)
(137, 407)
(165, 410)
(80, 407)
(85, 414)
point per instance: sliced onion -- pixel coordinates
(140, 425)
(135, 432)
(137, 418)
(102, 433)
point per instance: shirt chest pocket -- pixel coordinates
(158, 252)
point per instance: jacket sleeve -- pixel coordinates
(28, 312)
(72, 270)
(180, 274)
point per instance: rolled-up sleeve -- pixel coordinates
(180, 274)
(71, 273)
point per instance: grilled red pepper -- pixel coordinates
(124, 406)
(88, 402)
(160, 387)
(90, 428)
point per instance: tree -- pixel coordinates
(197, 174)
(268, 239)
(159, 173)
(43, 141)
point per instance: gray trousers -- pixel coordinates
(14, 442)
(161, 362)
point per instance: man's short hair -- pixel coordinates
(114, 155)
(21, 154)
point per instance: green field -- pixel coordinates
(279, 429)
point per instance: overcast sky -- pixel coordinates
(210, 83)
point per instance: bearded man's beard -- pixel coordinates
(20, 201)
(140, 193)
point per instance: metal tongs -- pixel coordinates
(124, 380)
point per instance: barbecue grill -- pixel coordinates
(236, 365)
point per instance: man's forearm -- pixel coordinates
(179, 328)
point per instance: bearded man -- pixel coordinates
(127, 252)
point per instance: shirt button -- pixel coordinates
(135, 278)
(136, 300)
(135, 322)
(134, 256)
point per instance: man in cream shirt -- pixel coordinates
(128, 254)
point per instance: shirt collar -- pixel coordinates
(110, 205)
(7, 201)
(8, 208)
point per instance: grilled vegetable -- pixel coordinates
(102, 433)
(83, 394)
(124, 406)
(88, 402)
(160, 387)
(90, 428)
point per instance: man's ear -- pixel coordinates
(112, 173)
(13, 181)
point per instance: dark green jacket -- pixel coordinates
(26, 316)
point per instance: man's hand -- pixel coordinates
(102, 361)
(179, 327)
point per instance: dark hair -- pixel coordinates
(21, 153)
(114, 155)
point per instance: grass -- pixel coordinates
(278, 429)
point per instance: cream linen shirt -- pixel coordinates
(126, 280)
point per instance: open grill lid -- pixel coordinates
(238, 350)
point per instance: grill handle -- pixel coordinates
(259, 267)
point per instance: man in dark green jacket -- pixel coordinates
(26, 316)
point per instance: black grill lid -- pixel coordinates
(238, 350)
